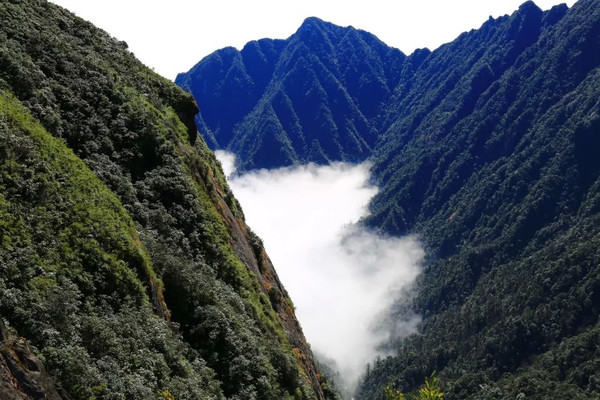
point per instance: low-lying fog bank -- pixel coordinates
(341, 277)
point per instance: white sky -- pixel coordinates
(171, 36)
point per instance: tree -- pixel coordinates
(430, 391)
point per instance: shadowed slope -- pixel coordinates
(313, 97)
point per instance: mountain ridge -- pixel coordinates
(289, 139)
(484, 149)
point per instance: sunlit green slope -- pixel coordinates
(124, 258)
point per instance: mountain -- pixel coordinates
(126, 267)
(487, 149)
(311, 98)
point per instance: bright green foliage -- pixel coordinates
(393, 394)
(74, 277)
(430, 391)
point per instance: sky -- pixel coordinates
(171, 36)
(342, 278)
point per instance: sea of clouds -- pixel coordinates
(342, 278)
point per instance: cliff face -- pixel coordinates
(248, 247)
(124, 258)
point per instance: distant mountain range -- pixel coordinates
(487, 148)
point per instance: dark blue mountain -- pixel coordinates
(314, 97)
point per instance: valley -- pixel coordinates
(414, 214)
(476, 147)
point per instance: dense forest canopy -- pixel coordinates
(125, 260)
(128, 269)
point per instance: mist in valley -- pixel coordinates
(342, 278)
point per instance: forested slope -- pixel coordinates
(499, 176)
(124, 258)
(487, 149)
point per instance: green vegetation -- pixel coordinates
(125, 260)
(123, 254)
(430, 391)
(498, 177)
(75, 278)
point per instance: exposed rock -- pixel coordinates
(22, 374)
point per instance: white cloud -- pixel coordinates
(341, 277)
(227, 161)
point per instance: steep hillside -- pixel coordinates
(22, 374)
(486, 148)
(124, 258)
(311, 98)
(497, 173)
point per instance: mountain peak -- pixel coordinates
(529, 7)
(484, 123)
(324, 75)
(312, 22)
